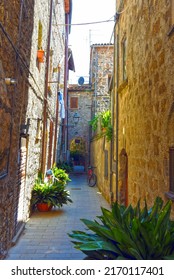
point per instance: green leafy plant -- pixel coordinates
(60, 174)
(65, 166)
(105, 118)
(108, 133)
(103, 121)
(129, 233)
(53, 194)
(94, 122)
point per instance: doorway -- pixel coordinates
(78, 153)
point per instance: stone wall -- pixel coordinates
(81, 129)
(101, 68)
(145, 98)
(21, 104)
(100, 158)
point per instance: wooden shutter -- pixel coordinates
(74, 103)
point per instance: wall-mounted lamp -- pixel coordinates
(76, 118)
(9, 81)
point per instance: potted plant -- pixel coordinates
(67, 167)
(129, 233)
(40, 55)
(60, 174)
(46, 195)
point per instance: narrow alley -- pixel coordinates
(46, 233)
(89, 85)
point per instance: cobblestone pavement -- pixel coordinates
(45, 235)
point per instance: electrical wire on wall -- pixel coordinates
(87, 23)
(119, 12)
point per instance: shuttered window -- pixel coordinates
(74, 103)
(171, 169)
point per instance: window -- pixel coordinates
(171, 169)
(73, 102)
(124, 58)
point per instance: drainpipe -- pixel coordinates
(95, 83)
(111, 156)
(116, 94)
(57, 116)
(65, 84)
(117, 110)
(44, 139)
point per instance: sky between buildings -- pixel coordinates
(82, 36)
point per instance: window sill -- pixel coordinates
(170, 195)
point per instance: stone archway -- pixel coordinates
(78, 151)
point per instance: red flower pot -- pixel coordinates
(40, 56)
(44, 207)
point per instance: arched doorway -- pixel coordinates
(78, 152)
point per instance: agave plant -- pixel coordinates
(129, 233)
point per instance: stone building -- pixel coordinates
(87, 100)
(79, 105)
(28, 102)
(101, 69)
(143, 149)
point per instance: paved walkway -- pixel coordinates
(45, 235)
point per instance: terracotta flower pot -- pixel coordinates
(44, 207)
(40, 56)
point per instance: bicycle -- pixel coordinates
(91, 177)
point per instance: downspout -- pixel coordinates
(111, 147)
(44, 141)
(65, 84)
(95, 83)
(117, 97)
(117, 109)
(113, 90)
(57, 116)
